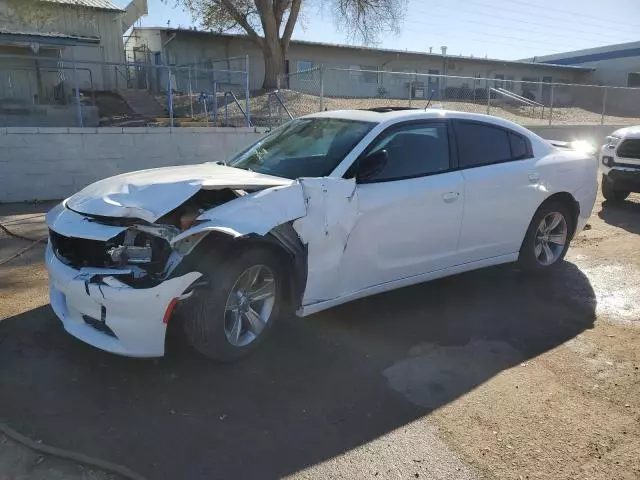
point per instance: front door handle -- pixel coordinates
(450, 197)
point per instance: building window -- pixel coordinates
(356, 73)
(508, 84)
(633, 80)
(370, 76)
(304, 67)
(499, 83)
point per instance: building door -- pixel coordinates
(433, 84)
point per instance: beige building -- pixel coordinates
(37, 47)
(348, 70)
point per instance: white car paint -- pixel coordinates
(361, 239)
(404, 228)
(134, 315)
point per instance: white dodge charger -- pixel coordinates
(326, 209)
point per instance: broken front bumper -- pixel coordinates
(119, 319)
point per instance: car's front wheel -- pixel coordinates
(611, 193)
(232, 315)
(547, 239)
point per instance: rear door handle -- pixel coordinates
(450, 197)
(534, 178)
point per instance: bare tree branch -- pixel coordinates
(264, 22)
(241, 19)
(291, 22)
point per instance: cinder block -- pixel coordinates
(136, 130)
(22, 130)
(108, 143)
(109, 130)
(53, 130)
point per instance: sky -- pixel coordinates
(504, 29)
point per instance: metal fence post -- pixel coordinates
(410, 90)
(190, 93)
(321, 87)
(226, 110)
(170, 95)
(604, 104)
(215, 104)
(551, 104)
(247, 94)
(488, 97)
(77, 95)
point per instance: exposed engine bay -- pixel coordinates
(143, 248)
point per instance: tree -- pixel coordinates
(270, 23)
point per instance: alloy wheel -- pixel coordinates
(551, 238)
(250, 305)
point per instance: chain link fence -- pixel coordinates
(48, 91)
(526, 102)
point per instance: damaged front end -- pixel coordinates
(140, 254)
(114, 280)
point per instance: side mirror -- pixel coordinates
(371, 165)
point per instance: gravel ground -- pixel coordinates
(483, 375)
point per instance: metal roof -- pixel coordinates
(98, 4)
(51, 38)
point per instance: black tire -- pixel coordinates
(611, 193)
(527, 260)
(203, 316)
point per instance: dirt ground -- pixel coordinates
(488, 374)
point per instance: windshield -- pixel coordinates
(304, 147)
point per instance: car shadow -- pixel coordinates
(319, 387)
(624, 215)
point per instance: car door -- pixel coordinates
(502, 189)
(409, 214)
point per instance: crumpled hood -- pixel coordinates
(150, 194)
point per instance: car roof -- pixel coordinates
(394, 115)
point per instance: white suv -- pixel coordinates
(620, 158)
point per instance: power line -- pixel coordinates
(499, 26)
(526, 22)
(507, 37)
(575, 14)
(533, 45)
(535, 24)
(519, 12)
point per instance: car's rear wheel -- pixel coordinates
(611, 193)
(547, 239)
(232, 315)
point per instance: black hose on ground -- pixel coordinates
(68, 455)
(17, 235)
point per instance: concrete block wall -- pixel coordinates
(53, 163)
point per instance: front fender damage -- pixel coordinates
(322, 212)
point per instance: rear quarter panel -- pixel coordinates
(573, 172)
